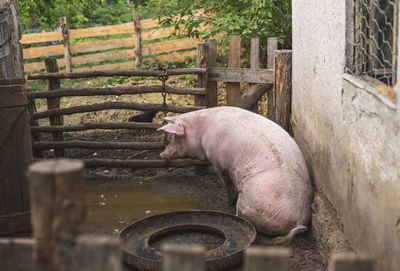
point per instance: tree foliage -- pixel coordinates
(247, 18)
(79, 13)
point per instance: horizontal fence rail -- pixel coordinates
(113, 105)
(114, 91)
(89, 74)
(98, 145)
(93, 126)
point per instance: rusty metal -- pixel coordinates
(223, 235)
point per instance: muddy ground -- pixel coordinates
(202, 188)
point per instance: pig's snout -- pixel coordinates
(163, 156)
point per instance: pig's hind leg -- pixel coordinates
(229, 186)
(287, 239)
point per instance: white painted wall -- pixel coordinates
(349, 134)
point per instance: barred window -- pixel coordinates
(372, 54)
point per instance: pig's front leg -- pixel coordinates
(229, 186)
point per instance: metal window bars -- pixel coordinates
(375, 40)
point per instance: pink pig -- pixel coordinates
(259, 162)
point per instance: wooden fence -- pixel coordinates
(57, 193)
(205, 96)
(72, 53)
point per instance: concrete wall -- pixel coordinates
(348, 133)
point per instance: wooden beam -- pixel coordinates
(41, 37)
(267, 258)
(250, 99)
(57, 191)
(183, 257)
(75, 75)
(138, 39)
(67, 51)
(212, 89)
(93, 163)
(233, 89)
(112, 105)
(92, 126)
(79, 144)
(126, 28)
(114, 91)
(257, 76)
(283, 88)
(98, 45)
(202, 62)
(272, 46)
(45, 51)
(350, 261)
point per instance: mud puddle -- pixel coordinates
(110, 209)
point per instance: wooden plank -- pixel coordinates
(272, 45)
(212, 89)
(103, 251)
(57, 191)
(98, 45)
(138, 39)
(79, 144)
(54, 103)
(352, 262)
(106, 67)
(183, 257)
(112, 91)
(112, 105)
(171, 45)
(38, 66)
(258, 76)
(76, 75)
(149, 23)
(233, 89)
(92, 126)
(12, 96)
(107, 56)
(52, 50)
(176, 56)
(126, 28)
(157, 33)
(15, 223)
(258, 258)
(41, 37)
(283, 88)
(202, 79)
(16, 254)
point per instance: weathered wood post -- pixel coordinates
(266, 258)
(212, 89)
(57, 191)
(67, 51)
(183, 258)
(97, 253)
(283, 87)
(272, 45)
(255, 60)
(352, 262)
(52, 103)
(202, 79)
(233, 89)
(138, 39)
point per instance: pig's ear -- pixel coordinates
(173, 128)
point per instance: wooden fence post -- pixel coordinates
(352, 262)
(138, 39)
(67, 51)
(255, 60)
(202, 79)
(183, 258)
(266, 258)
(212, 87)
(233, 89)
(57, 192)
(283, 87)
(271, 47)
(52, 103)
(97, 253)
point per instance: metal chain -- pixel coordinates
(163, 77)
